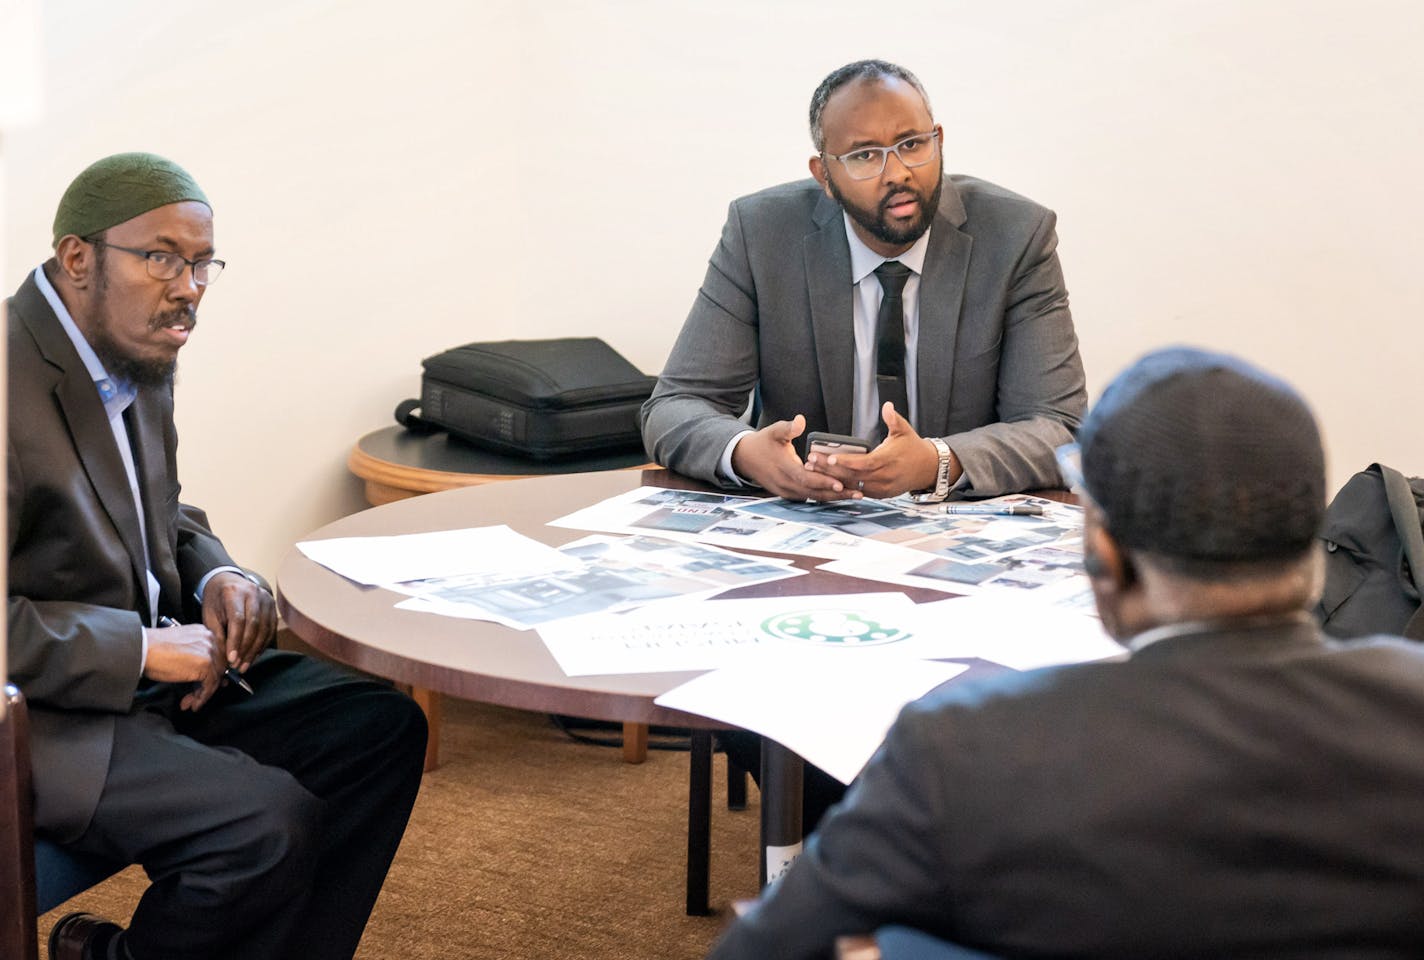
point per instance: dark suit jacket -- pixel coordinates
(998, 371)
(1248, 795)
(78, 595)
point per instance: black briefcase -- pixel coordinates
(541, 399)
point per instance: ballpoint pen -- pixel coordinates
(994, 509)
(230, 673)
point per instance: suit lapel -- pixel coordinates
(941, 295)
(828, 281)
(88, 424)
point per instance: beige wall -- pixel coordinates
(394, 179)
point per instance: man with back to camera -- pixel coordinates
(1239, 786)
(973, 350)
(969, 371)
(265, 820)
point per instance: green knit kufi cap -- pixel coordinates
(119, 188)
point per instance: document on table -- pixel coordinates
(377, 561)
(924, 546)
(711, 518)
(677, 636)
(832, 711)
(608, 573)
(1018, 632)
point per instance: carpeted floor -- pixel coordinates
(527, 844)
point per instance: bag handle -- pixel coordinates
(407, 417)
(1406, 521)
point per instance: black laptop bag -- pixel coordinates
(541, 399)
(1374, 559)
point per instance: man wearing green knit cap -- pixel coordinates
(266, 812)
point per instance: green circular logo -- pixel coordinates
(842, 628)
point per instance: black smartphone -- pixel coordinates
(828, 443)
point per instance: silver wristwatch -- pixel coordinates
(940, 490)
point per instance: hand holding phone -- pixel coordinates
(827, 444)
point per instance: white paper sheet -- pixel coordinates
(1017, 632)
(831, 710)
(612, 573)
(677, 635)
(442, 553)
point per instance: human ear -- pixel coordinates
(1105, 562)
(76, 259)
(818, 170)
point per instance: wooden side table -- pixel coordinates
(397, 464)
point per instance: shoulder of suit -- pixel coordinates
(28, 319)
(983, 196)
(798, 195)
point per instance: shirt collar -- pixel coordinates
(1189, 628)
(864, 260)
(116, 394)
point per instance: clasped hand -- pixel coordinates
(904, 461)
(239, 620)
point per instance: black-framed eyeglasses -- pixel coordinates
(915, 150)
(167, 265)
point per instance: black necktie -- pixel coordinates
(890, 342)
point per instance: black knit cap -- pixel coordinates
(1202, 456)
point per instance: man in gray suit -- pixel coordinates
(882, 299)
(1240, 786)
(267, 818)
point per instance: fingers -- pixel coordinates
(895, 424)
(241, 616)
(258, 623)
(784, 431)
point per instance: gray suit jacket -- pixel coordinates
(78, 596)
(1246, 794)
(999, 376)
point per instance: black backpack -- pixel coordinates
(1374, 562)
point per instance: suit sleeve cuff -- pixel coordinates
(203, 583)
(724, 466)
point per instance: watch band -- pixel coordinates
(940, 490)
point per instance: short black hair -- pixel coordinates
(860, 70)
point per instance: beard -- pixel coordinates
(876, 222)
(139, 371)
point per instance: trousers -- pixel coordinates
(265, 823)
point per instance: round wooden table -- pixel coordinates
(397, 464)
(478, 660)
(474, 659)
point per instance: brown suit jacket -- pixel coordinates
(77, 587)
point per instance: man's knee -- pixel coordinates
(388, 723)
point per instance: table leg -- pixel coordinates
(429, 702)
(781, 774)
(635, 742)
(699, 823)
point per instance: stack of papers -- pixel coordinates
(493, 573)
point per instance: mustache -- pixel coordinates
(188, 316)
(900, 195)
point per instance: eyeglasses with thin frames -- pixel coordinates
(915, 150)
(166, 265)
